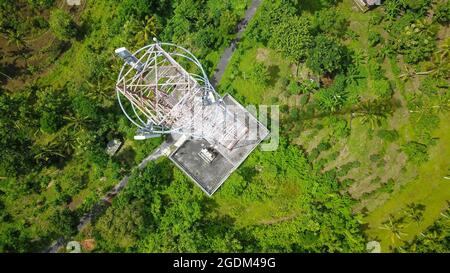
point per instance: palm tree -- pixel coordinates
(392, 9)
(418, 105)
(409, 73)
(101, 92)
(373, 113)
(424, 105)
(431, 237)
(329, 103)
(415, 212)
(148, 29)
(77, 123)
(439, 66)
(359, 58)
(353, 76)
(16, 37)
(48, 151)
(442, 105)
(394, 227)
(67, 142)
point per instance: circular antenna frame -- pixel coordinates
(145, 63)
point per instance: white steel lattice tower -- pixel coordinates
(163, 89)
(164, 98)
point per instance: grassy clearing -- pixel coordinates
(429, 188)
(248, 213)
(253, 92)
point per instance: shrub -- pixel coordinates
(375, 157)
(62, 25)
(260, 74)
(292, 37)
(381, 163)
(375, 69)
(376, 180)
(309, 86)
(374, 38)
(331, 22)
(344, 169)
(63, 222)
(388, 187)
(416, 42)
(417, 6)
(284, 108)
(294, 114)
(323, 146)
(318, 126)
(321, 163)
(314, 154)
(284, 81)
(388, 135)
(333, 156)
(382, 88)
(442, 13)
(41, 3)
(40, 22)
(339, 126)
(331, 99)
(50, 122)
(347, 182)
(327, 56)
(424, 124)
(376, 18)
(294, 88)
(416, 152)
(82, 106)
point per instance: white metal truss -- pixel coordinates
(165, 98)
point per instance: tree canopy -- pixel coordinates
(327, 56)
(292, 37)
(62, 25)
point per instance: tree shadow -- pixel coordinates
(223, 224)
(274, 71)
(21, 51)
(82, 31)
(126, 156)
(248, 173)
(391, 105)
(12, 70)
(312, 5)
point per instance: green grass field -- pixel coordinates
(429, 188)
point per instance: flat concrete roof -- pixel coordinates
(207, 176)
(210, 176)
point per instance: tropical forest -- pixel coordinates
(363, 158)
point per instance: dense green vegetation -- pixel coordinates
(368, 102)
(364, 149)
(165, 214)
